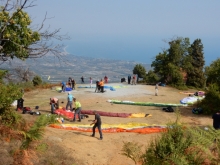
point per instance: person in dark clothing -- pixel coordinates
(97, 123)
(82, 79)
(70, 82)
(216, 120)
(20, 104)
(73, 83)
(97, 86)
(129, 79)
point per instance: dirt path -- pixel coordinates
(91, 151)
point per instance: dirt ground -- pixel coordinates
(91, 151)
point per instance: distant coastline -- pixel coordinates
(76, 67)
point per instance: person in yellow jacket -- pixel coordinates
(101, 83)
(77, 110)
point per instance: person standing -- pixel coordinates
(82, 79)
(156, 89)
(63, 86)
(97, 123)
(106, 79)
(90, 82)
(134, 80)
(129, 79)
(20, 104)
(216, 120)
(73, 83)
(78, 109)
(69, 101)
(70, 82)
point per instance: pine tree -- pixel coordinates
(195, 75)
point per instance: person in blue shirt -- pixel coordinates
(63, 86)
(69, 101)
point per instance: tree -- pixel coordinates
(160, 66)
(37, 80)
(178, 50)
(195, 75)
(17, 37)
(171, 64)
(152, 78)
(22, 74)
(212, 73)
(140, 71)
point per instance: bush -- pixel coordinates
(179, 145)
(211, 103)
(151, 78)
(37, 80)
(9, 93)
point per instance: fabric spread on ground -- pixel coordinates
(69, 114)
(187, 93)
(59, 89)
(145, 103)
(191, 99)
(114, 128)
(199, 93)
(112, 88)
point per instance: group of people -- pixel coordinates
(100, 86)
(54, 102)
(132, 80)
(90, 80)
(71, 83)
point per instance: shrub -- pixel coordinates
(133, 151)
(211, 103)
(9, 93)
(27, 86)
(179, 146)
(37, 80)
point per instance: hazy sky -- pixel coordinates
(132, 30)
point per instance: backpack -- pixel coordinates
(26, 109)
(197, 110)
(168, 109)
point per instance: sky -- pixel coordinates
(131, 30)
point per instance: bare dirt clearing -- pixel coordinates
(91, 151)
